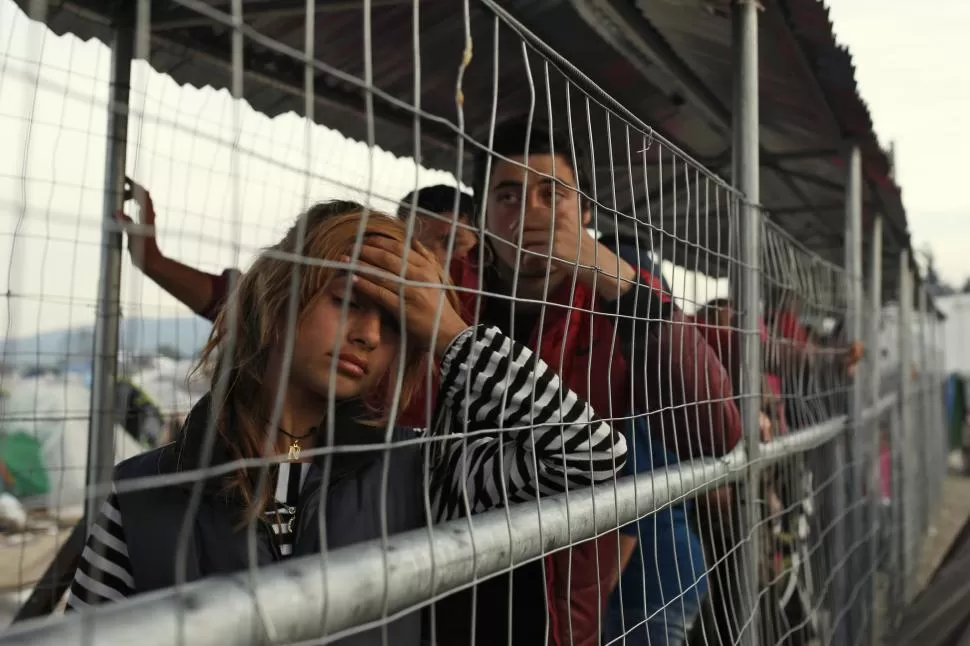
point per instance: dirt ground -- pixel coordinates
(953, 513)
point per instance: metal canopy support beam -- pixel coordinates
(105, 364)
(874, 432)
(747, 286)
(853, 439)
(801, 155)
(822, 208)
(808, 178)
(797, 191)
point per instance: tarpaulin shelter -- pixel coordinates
(22, 465)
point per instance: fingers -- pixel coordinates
(380, 259)
(387, 255)
(379, 291)
(417, 256)
(138, 193)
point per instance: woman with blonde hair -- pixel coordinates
(358, 352)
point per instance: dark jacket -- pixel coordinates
(154, 517)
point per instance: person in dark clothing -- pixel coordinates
(627, 248)
(138, 414)
(441, 226)
(348, 332)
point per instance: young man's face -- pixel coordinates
(533, 195)
(433, 232)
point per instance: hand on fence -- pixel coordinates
(142, 244)
(856, 352)
(765, 427)
(421, 299)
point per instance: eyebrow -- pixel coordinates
(516, 184)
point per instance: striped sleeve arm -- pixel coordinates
(104, 573)
(523, 432)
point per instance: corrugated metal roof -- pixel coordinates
(809, 99)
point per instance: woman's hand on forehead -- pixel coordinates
(420, 293)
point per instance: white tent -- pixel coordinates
(55, 412)
(956, 332)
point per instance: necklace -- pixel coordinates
(295, 449)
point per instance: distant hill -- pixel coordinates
(141, 336)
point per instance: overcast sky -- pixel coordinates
(911, 61)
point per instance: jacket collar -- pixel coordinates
(187, 452)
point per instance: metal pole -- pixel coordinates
(936, 401)
(854, 333)
(746, 176)
(906, 475)
(875, 425)
(925, 437)
(939, 427)
(894, 568)
(105, 358)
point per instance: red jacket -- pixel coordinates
(675, 378)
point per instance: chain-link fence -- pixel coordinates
(603, 396)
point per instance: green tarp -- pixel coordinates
(25, 474)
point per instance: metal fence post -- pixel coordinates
(907, 472)
(853, 435)
(942, 424)
(872, 471)
(894, 567)
(101, 450)
(745, 173)
(924, 438)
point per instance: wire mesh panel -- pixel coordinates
(496, 402)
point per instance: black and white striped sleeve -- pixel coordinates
(518, 431)
(104, 574)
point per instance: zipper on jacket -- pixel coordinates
(273, 543)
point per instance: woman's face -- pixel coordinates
(363, 353)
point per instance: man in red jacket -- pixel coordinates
(613, 334)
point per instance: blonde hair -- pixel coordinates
(261, 302)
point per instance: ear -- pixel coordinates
(586, 214)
